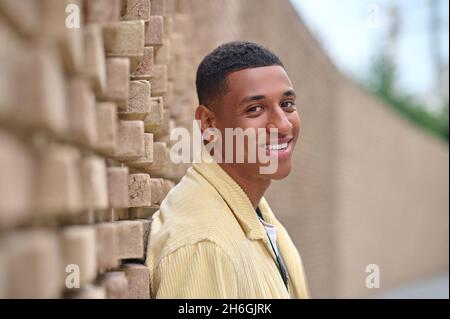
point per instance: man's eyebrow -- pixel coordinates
(290, 93)
(252, 98)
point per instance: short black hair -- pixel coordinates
(211, 78)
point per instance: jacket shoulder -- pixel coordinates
(193, 211)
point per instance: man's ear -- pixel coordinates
(206, 117)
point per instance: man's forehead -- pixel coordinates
(266, 80)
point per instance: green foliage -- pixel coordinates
(381, 81)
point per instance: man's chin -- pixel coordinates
(282, 172)
(265, 171)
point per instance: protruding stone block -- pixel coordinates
(118, 187)
(130, 140)
(144, 69)
(139, 190)
(135, 10)
(32, 262)
(125, 39)
(138, 280)
(59, 181)
(95, 64)
(139, 101)
(117, 81)
(17, 182)
(41, 101)
(106, 127)
(107, 246)
(79, 251)
(130, 239)
(95, 191)
(82, 112)
(154, 31)
(155, 117)
(147, 159)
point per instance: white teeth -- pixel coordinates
(277, 147)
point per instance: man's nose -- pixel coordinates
(278, 120)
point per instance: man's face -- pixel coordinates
(264, 98)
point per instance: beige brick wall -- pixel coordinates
(85, 116)
(391, 195)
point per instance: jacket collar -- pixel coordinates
(235, 197)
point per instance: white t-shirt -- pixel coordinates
(272, 232)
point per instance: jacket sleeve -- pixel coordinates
(200, 270)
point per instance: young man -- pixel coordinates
(215, 235)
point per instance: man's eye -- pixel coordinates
(288, 105)
(254, 108)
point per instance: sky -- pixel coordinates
(352, 31)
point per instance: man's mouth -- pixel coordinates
(277, 147)
(281, 146)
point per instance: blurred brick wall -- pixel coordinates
(392, 201)
(85, 116)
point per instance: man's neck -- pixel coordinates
(253, 187)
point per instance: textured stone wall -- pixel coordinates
(85, 116)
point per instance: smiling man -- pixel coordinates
(215, 235)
